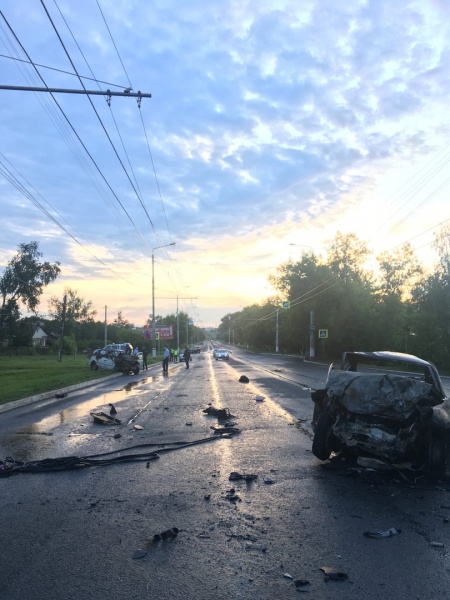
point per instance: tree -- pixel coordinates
(120, 321)
(78, 312)
(347, 256)
(399, 271)
(23, 282)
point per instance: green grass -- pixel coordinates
(23, 376)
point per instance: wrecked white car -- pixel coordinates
(114, 360)
(384, 405)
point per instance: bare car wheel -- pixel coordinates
(322, 446)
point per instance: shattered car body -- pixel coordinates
(114, 360)
(384, 405)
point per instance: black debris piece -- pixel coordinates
(235, 476)
(60, 395)
(378, 535)
(220, 413)
(301, 582)
(113, 411)
(220, 430)
(168, 534)
(244, 379)
(103, 419)
(330, 573)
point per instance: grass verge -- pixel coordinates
(24, 376)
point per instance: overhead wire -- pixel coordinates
(7, 173)
(105, 131)
(76, 133)
(62, 71)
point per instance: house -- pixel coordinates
(42, 339)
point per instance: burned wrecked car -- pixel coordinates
(384, 405)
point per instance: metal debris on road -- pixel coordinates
(139, 554)
(235, 476)
(138, 427)
(103, 419)
(382, 534)
(437, 544)
(330, 573)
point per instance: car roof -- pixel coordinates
(399, 357)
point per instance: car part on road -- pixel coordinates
(235, 476)
(331, 573)
(244, 379)
(220, 413)
(378, 535)
(103, 419)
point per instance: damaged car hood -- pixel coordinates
(393, 396)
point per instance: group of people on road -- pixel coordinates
(172, 356)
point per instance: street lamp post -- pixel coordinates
(153, 296)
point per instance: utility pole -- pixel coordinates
(276, 334)
(312, 336)
(61, 340)
(106, 328)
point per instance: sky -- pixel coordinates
(271, 127)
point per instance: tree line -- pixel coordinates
(72, 317)
(395, 306)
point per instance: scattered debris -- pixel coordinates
(207, 497)
(330, 573)
(138, 427)
(139, 554)
(287, 576)
(232, 496)
(253, 546)
(103, 419)
(189, 423)
(168, 534)
(204, 536)
(235, 476)
(113, 411)
(437, 544)
(244, 379)
(382, 534)
(301, 582)
(63, 395)
(259, 398)
(220, 413)
(225, 429)
(268, 480)
(117, 436)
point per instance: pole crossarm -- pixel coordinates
(108, 93)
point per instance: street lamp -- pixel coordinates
(153, 296)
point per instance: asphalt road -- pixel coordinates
(73, 534)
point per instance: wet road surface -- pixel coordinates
(73, 534)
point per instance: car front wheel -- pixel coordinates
(94, 366)
(322, 446)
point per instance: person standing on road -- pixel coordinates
(144, 358)
(166, 360)
(187, 357)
